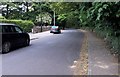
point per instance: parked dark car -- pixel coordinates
(12, 36)
(55, 29)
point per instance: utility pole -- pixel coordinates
(54, 17)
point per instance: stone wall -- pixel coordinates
(37, 29)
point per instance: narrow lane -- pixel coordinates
(49, 54)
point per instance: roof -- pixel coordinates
(7, 24)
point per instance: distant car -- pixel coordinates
(12, 36)
(55, 29)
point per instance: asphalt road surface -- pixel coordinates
(48, 54)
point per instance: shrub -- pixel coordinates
(103, 18)
(26, 25)
(1, 17)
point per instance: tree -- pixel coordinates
(64, 13)
(103, 18)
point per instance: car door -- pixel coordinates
(20, 34)
(8, 35)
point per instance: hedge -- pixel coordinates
(24, 24)
(112, 41)
(1, 17)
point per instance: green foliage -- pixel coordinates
(25, 10)
(72, 20)
(26, 25)
(62, 17)
(64, 7)
(103, 18)
(67, 13)
(83, 17)
(1, 17)
(61, 20)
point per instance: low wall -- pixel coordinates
(37, 29)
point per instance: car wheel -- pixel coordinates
(6, 47)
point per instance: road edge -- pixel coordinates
(81, 65)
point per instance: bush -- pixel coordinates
(115, 43)
(1, 17)
(26, 25)
(103, 18)
(72, 21)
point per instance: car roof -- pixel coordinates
(7, 24)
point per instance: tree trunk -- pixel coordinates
(7, 12)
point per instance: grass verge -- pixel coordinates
(81, 65)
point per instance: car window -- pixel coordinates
(18, 30)
(54, 26)
(7, 28)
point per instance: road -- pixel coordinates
(48, 54)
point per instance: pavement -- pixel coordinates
(100, 60)
(34, 36)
